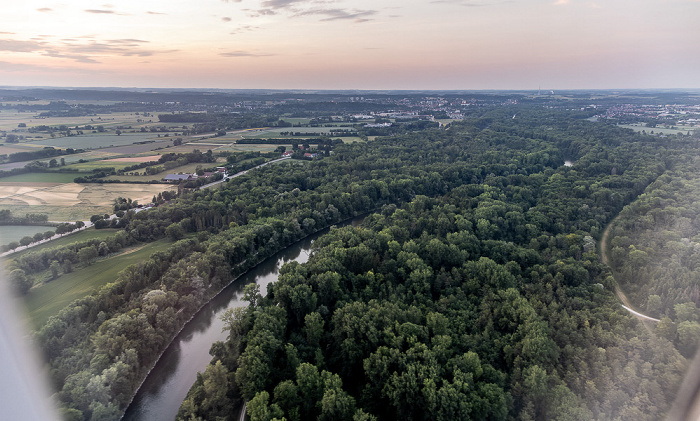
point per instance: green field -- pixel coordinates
(40, 177)
(88, 234)
(10, 119)
(186, 169)
(275, 132)
(70, 159)
(296, 120)
(10, 233)
(48, 299)
(249, 148)
(97, 140)
(89, 166)
(657, 130)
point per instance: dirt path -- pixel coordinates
(620, 294)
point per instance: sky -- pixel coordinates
(352, 44)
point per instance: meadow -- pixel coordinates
(248, 148)
(146, 148)
(136, 159)
(39, 177)
(275, 132)
(47, 299)
(91, 165)
(97, 140)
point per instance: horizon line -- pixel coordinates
(548, 91)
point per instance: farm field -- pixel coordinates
(72, 201)
(141, 148)
(135, 159)
(48, 299)
(7, 149)
(205, 146)
(248, 148)
(186, 169)
(84, 235)
(72, 158)
(97, 140)
(184, 148)
(10, 233)
(10, 119)
(38, 177)
(275, 132)
(656, 130)
(89, 166)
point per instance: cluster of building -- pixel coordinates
(683, 114)
(194, 176)
(288, 154)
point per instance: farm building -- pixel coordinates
(178, 177)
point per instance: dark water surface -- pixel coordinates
(165, 388)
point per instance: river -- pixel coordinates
(166, 386)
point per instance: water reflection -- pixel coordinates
(166, 386)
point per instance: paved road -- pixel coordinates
(88, 224)
(228, 177)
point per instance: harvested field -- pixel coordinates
(189, 147)
(71, 201)
(8, 189)
(249, 148)
(5, 149)
(137, 159)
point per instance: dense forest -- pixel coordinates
(473, 290)
(487, 301)
(655, 254)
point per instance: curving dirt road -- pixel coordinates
(620, 294)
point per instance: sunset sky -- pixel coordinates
(352, 44)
